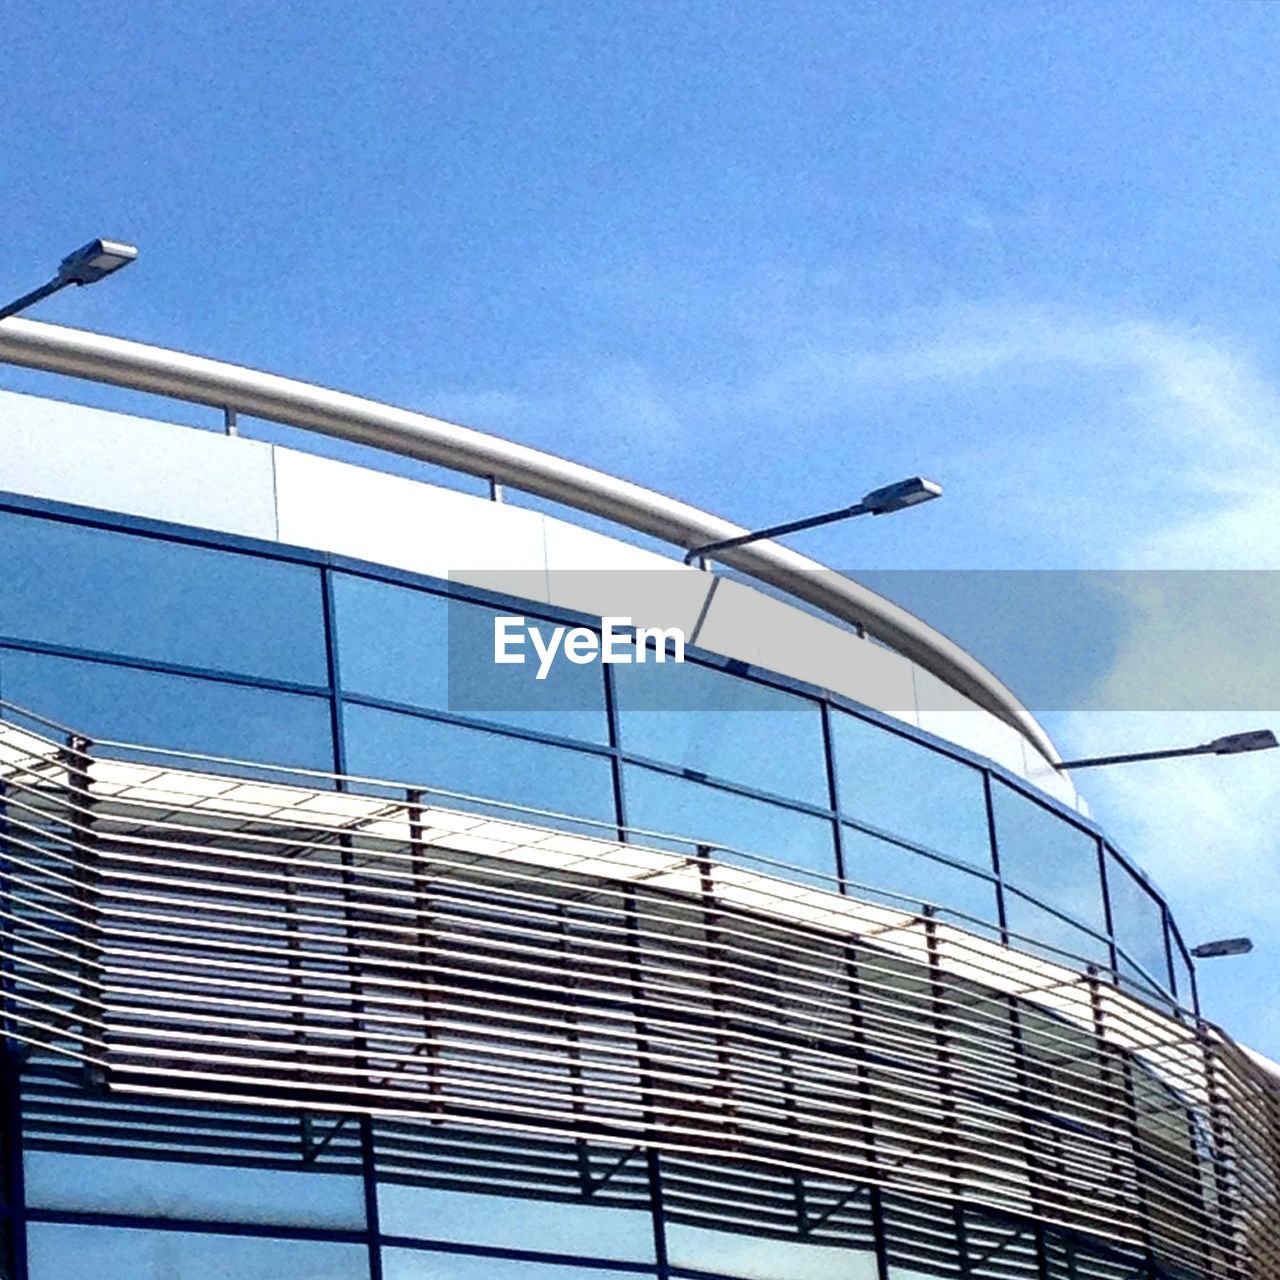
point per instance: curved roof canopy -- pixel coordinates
(197, 379)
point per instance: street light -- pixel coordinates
(879, 502)
(1223, 947)
(1233, 744)
(87, 265)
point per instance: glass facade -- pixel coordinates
(223, 651)
(297, 661)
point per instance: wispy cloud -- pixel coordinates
(1194, 411)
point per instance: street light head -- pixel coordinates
(1223, 947)
(91, 262)
(896, 497)
(1233, 744)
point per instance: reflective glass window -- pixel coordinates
(475, 762)
(581, 1227)
(422, 1264)
(889, 781)
(103, 1183)
(166, 601)
(680, 807)
(151, 1157)
(179, 712)
(881, 864)
(725, 726)
(1034, 924)
(1138, 921)
(766, 1257)
(57, 1251)
(426, 650)
(1048, 857)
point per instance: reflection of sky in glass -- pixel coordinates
(165, 601)
(724, 726)
(101, 1183)
(901, 786)
(407, 748)
(1059, 936)
(409, 646)
(60, 1252)
(1047, 857)
(1138, 921)
(868, 860)
(761, 1258)
(418, 1264)
(660, 802)
(513, 1222)
(161, 710)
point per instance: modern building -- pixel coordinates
(334, 950)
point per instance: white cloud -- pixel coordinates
(1176, 467)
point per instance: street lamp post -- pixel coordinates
(87, 265)
(1223, 947)
(879, 502)
(1233, 744)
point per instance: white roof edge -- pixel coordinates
(139, 366)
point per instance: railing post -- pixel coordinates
(716, 983)
(8, 913)
(91, 997)
(861, 1047)
(945, 1074)
(424, 937)
(1123, 1094)
(1221, 1155)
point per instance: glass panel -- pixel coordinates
(764, 1224)
(1138, 921)
(1040, 925)
(1048, 857)
(881, 864)
(426, 650)
(178, 1189)
(388, 744)
(723, 726)
(661, 802)
(180, 712)
(760, 1257)
(1182, 975)
(579, 1227)
(56, 1252)
(143, 597)
(907, 789)
(418, 1264)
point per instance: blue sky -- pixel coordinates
(763, 257)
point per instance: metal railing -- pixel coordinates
(200, 935)
(233, 389)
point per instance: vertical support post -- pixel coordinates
(945, 1075)
(644, 1062)
(229, 424)
(1222, 1157)
(715, 983)
(91, 996)
(993, 840)
(368, 1155)
(495, 489)
(577, 1089)
(8, 912)
(1024, 1075)
(13, 1253)
(1121, 1101)
(424, 936)
(862, 1068)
